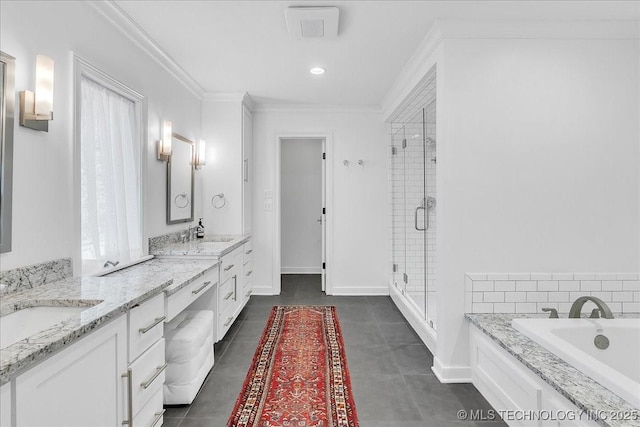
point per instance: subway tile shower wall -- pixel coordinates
(530, 292)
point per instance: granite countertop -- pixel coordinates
(105, 298)
(210, 246)
(577, 387)
(182, 271)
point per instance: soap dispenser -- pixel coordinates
(200, 230)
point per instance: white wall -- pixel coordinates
(43, 185)
(301, 196)
(537, 165)
(358, 253)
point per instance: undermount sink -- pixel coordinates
(24, 323)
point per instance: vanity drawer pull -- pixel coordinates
(155, 322)
(248, 293)
(197, 291)
(249, 251)
(159, 370)
(249, 273)
(158, 417)
(229, 295)
(228, 321)
(228, 267)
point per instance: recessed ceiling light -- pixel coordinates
(317, 70)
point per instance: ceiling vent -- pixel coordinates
(308, 22)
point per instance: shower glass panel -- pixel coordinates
(416, 215)
(398, 210)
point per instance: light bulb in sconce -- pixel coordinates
(36, 108)
(164, 145)
(201, 151)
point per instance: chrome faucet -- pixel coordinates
(603, 308)
(111, 263)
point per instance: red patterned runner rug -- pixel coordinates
(299, 376)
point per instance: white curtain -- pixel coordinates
(110, 174)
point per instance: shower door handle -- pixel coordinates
(416, 218)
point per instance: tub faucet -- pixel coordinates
(603, 308)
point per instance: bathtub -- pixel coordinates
(617, 367)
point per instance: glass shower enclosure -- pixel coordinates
(413, 179)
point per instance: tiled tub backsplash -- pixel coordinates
(530, 292)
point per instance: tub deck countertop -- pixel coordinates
(577, 387)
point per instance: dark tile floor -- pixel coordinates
(391, 376)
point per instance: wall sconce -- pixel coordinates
(164, 145)
(201, 151)
(36, 109)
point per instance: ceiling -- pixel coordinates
(244, 46)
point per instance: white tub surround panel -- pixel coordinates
(530, 292)
(538, 374)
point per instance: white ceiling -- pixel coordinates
(243, 46)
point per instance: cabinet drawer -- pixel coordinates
(147, 375)
(225, 320)
(145, 325)
(228, 295)
(247, 273)
(177, 302)
(230, 265)
(151, 413)
(247, 250)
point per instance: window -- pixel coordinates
(110, 171)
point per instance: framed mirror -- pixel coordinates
(180, 171)
(7, 104)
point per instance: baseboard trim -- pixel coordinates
(301, 270)
(426, 334)
(360, 291)
(262, 290)
(451, 374)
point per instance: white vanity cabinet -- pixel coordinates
(145, 373)
(247, 272)
(179, 301)
(229, 291)
(80, 386)
(5, 405)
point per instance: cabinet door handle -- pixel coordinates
(249, 251)
(235, 288)
(226, 297)
(155, 322)
(228, 267)
(158, 417)
(129, 377)
(249, 273)
(228, 321)
(197, 291)
(159, 370)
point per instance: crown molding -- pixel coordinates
(310, 108)
(119, 18)
(414, 70)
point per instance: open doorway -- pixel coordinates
(302, 207)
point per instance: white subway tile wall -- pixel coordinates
(530, 292)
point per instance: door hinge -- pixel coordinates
(395, 268)
(324, 265)
(324, 156)
(405, 277)
(394, 151)
(404, 143)
(324, 211)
